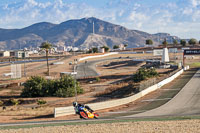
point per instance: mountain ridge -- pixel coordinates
(76, 32)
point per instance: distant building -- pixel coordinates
(75, 49)
(157, 52)
(62, 48)
(21, 54)
(122, 47)
(102, 50)
(4, 53)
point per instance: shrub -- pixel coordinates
(34, 87)
(192, 41)
(98, 79)
(1, 103)
(14, 101)
(115, 47)
(41, 102)
(144, 73)
(66, 87)
(39, 87)
(106, 48)
(149, 42)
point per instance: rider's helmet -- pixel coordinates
(75, 104)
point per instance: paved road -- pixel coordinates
(186, 102)
(88, 69)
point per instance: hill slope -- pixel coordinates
(76, 33)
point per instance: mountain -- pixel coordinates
(77, 33)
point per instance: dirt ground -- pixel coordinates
(33, 112)
(178, 126)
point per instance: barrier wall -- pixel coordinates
(62, 111)
(97, 56)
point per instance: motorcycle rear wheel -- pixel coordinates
(96, 115)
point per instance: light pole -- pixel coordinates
(75, 72)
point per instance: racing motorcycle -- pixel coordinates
(87, 113)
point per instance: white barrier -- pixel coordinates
(97, 56)
(113, 103)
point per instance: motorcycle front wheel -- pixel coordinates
(83, 115)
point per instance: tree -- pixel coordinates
(175, 42)
(165, 43)
(34, 87)
(192, 41)
(66, 87)
(46, 46)
(106, 48)
(115, 47)
(183, 42)
(95, 50)
(199, 41)
(149, 42)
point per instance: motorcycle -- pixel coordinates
(87, 113)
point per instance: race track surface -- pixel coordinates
(186, 102)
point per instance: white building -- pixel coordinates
(61, 48)
(75, 49)
(157, 52)
(21, 54)
(102, 50)
(121, 47)
(4, 53)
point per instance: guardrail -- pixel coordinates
(62, 111)
(97, 56)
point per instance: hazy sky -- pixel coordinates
(177, 17)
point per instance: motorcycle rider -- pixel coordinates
(77, 106)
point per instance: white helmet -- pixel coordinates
(75, 104)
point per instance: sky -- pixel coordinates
(177, 17)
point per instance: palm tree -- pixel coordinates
(46, 46)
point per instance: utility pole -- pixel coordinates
(24, 63)
(93, 27)
(75, 72)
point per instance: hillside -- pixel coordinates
(77, 33)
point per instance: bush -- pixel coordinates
(106, 48)
(39, 87)
(14, 101)
(41, 102)
(1, 103)
(192, 41)
(34, 87)
(144, 73)
(98, 79)
(66, 87)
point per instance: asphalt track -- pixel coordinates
(88, 69)
(85, 70)
(185, 103)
